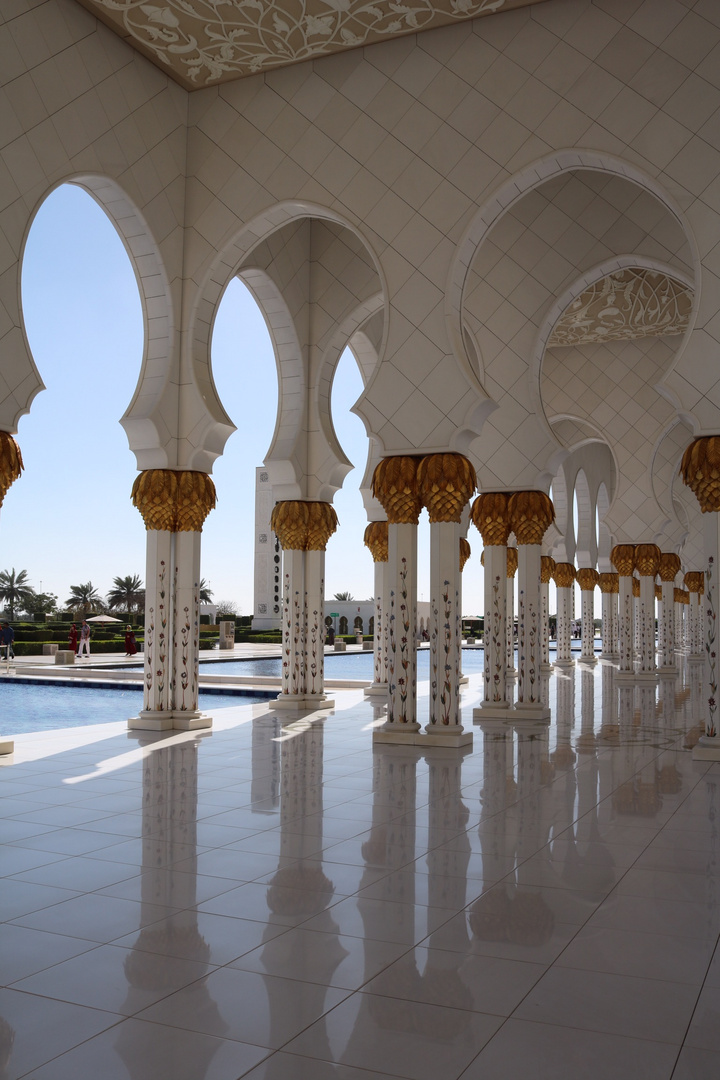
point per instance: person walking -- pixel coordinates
(84, 639)
(130, 642)
(73, 637)
(8, 637)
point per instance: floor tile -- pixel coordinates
(153, 1052)
(704, 1031)
(214, 939)
(695, 1064)
(650, 956)
(24, 951)
(99, 918)
(243, 1005)
(550, 1052)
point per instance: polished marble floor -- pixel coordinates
(276, 900)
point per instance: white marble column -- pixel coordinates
(491, 517)
(622, 557)
(445, 634)
(695, 585)
(314, 630)
(564, 578)
(446, 483)
(186, 636)
(609, 587)
(376, 540)
(531, 514)
(669, 568)
(547, 565)
(465, 553)
(402, 632)
(156, 714)
(678, 620)
(292, 625)
(512, 565)
(587, 578)
(647, 561)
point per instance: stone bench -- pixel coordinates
(64, 656)
(368, 646)
(49, 649)
(340, 646)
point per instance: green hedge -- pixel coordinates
(35, 648)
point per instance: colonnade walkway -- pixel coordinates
(280, 899)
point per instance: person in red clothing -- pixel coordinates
(73, 637)
(130, 643)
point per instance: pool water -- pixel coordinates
(26, 707)
(337, 665)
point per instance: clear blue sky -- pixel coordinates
(69, 518)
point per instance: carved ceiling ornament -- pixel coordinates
(205, 42)
(630, 303)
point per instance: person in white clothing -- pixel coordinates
(84, 639)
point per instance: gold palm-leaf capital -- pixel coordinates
(11, 463)
(669, 566)
(547, 566)
(446, 483)
(465, 552)
(154, 494)
(647, 559)
(609, 583)
(512, 562)
(196, 497)
(376, 540)
(288, 521)
(587, 578)
(395, 486)
(694, 581)
(564, 575)
(622, 557)
(491, 517)
(700, 470)
(322, 522)
(531, 514)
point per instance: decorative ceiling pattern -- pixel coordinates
(204, 42)
(632, 303)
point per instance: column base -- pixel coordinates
(191, 721)
(625, 678)
(564, 663)
(547, 667)
(376, 689)
(7, 746)
(696, 658)
(587, 660)
(511, 673)
(151, 720)
(494, 710)
(455, 737)
(301, 702)
(613, 657)
(646, 676)
(463, 680)
(668, 672)
(400, 734)
(536, 711)
(707, 748)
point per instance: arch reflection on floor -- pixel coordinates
(279, 900)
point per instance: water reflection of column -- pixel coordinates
(586, 742)
(300, 886)
(564, 756)
(265, 756)
(447, 857)
(608, 721)
(669, 567)
(169, 821)
(695, 584)
(625, 713)
(588, 578)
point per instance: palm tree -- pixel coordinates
(126, 593)
(206, 593)
(84, 598)
(14, 589)
(343, 596)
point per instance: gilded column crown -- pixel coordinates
(622, 557)
(446, 483)
(700, 470)
(376, 539)
(490, 516)
(512, 562)
(395, 486)
(685, 596)
(669, 566)
(647, 559)
(678, 596)
(195, 499)
(465, 551)
(694, 581)
(303, 526)
(609, 583)
(173, 501)
(322, 523)
(658, 593)
(547, 566)
(531, 514)
(564, 574)
(636, 586)
(11, 463)
(587, 578)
